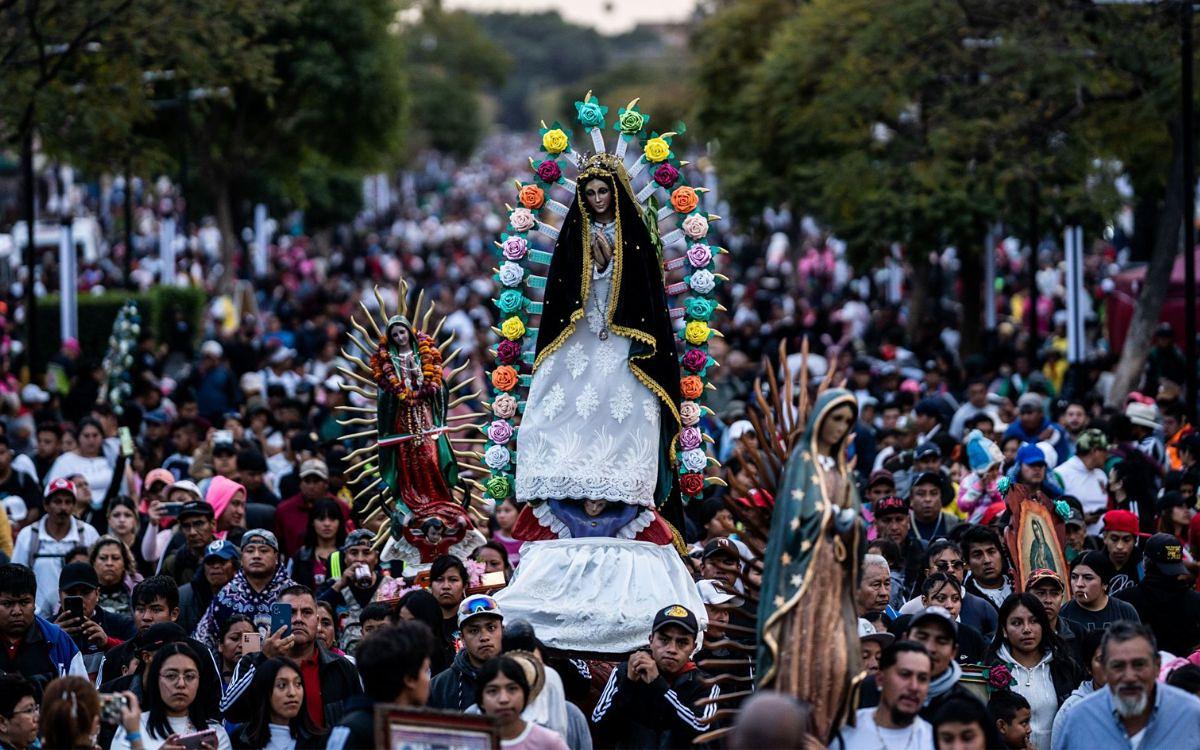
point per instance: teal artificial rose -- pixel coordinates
(511, 301)
(699, 308)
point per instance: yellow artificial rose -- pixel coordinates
(657, 150)
(555, 141)
(696, 332)
(514, 329)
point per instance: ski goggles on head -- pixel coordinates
(479, 604)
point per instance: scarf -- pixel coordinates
(941, 684)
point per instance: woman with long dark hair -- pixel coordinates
(279, 721)
(501, 692)
(175, 696)
(229, 643)
(117, 573)
(325, 534)
(1031, 651)
(420, 605)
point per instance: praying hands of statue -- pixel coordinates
(602, 250)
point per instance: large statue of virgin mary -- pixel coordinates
(595, 442)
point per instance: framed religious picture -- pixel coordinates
(399, 728)
(1034, 539)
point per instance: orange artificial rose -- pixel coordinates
(691, 386)
(504, 378)
(684, 199)
(532, 197)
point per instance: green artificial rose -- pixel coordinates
(498, 487)
(631, 122)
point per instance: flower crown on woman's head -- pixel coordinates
(601, 163)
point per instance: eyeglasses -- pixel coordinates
(187, 677)
(35, 708)
(944, 565)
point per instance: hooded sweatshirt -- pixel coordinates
(1085, 689)
(1037, 686)
(220, 492)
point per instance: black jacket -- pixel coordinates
(194, 598)
(661, 714)
(357, 729)
(339, 682)
(454, 688)
(1170, 608)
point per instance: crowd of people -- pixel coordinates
(208, 583)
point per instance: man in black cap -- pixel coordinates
(894, 523)
(929, 521)
(198, 529)
(651, 699)
(355, 587)
(219, 566)
(97, 630)
(721, 561)
(1164, 599)
(251, 473)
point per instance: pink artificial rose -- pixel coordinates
(694, 360)
(522, 219)
(500, 432)
(504, 406)
(699, 255)
(689, 412)
(515, 248)
(689, 438)
(695, 226)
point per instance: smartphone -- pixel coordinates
(251, 643)
(222, 436)
(111, 705)
(170, 510)
(73, 606)
(198, 741)
(281, 617)
(126, 437)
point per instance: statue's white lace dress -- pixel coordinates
(591, 428)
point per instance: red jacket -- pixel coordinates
(291, 522)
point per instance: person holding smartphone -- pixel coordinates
(173, 716)
(94, 629)
(329, 679)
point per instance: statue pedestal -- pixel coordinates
(599, 594)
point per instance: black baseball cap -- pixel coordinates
(1166, 552)
(719, 545)
(251, 460)
(928, 450)
(78, 574)
(890, 504)
(676, 614)
(158, 635)
(224, 449)
(196, 508)
(928, 477)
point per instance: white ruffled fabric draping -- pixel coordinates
(598, 594)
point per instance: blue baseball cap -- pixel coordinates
(1030, 454)
(221, 549)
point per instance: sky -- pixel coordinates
(609, 16)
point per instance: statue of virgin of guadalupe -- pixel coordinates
(415, 458)
(808, 629)
(603, 407)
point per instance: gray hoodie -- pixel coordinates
(1084, 690)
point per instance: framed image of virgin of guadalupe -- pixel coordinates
(1035, 537)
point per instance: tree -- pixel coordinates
(452, 58)
(924, 121)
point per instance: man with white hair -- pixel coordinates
(1136, 711)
